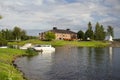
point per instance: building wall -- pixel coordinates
(60, 36)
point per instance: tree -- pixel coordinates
(89, 32)
(99, 32)
(3, 42)
(17, 33)
(89, 26)
(102, 33)
(80, 35)
(49, 36)
(23, 35)
(110, 31)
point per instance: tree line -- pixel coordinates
(17, 34)
(98, 34)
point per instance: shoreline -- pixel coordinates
(9, 70)
(115, 44)
(56, 43)
(16, 67)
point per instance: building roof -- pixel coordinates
(67, 31)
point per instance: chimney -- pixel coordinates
(54, 28)
(68, 29)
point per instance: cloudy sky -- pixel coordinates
(42, 15)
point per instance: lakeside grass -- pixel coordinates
(7, 70)
(64, 43)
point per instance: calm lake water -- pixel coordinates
(72, 63)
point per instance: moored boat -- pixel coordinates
(44, 48)
(3, 47)
(26, 46)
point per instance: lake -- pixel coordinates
(72, 63)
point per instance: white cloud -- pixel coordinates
(44, 14)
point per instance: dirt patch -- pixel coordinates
(115, 44)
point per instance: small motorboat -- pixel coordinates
(44, 48)
(3, 47)
(26, 46)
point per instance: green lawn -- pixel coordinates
(63, 43)
(7, 70)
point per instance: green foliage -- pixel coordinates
(89, 32)
(102, 33)
(97, 29)
(110, 31)
(3, 42)
(31, 52)
(49, 36)
(80, 35)
(6, 34)
(17, 33)
(99, 32)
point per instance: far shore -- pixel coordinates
(64, 43)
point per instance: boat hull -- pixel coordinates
(42, 49)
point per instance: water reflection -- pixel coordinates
(72, 63)
(110, 53)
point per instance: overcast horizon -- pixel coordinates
(35, 15)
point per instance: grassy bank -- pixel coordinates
(7, 70)
(63, 43)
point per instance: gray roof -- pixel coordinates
(62, 31)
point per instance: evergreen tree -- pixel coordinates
(102, 33)
(99, 32)
(89, 33)
(110, 31)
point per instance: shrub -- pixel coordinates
(31, 52)
(49, 36)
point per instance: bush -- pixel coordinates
(49, 36)
(31, 52)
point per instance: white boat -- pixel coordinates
(3, 47)
(26, 46)
(43, 48)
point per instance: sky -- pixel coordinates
(41, 15)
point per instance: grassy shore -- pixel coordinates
(7, 70)
(64, 43)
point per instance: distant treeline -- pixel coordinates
(98, 34)
(17, 34)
